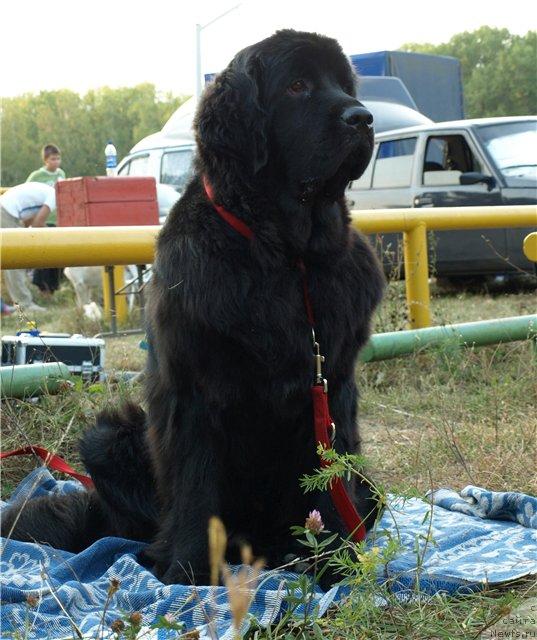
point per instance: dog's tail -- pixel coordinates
(115, 453)
(122, 504)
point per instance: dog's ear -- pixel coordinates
(231, 122)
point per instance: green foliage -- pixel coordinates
(79, 125)
(498, 70)
(340, 466)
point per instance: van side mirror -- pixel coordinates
(474, 177)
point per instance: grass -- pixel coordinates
(446, 417)
(453, 418)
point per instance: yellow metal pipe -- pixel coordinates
(87, 246)
(120, 300)
(530, 247)
(417, 276)
(77, 246)
(443, 218)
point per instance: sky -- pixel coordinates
(83, 45)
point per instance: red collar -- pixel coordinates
(239, 226)
(323, 424)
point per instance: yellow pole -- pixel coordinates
(417, 276)
(442, 218)
(77, 246)
(120, 300)
(530, 246)
(86, 246)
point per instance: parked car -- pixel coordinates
(490, 161)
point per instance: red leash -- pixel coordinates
(51, 460)
(323, 423)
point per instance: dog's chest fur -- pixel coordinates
(251, 319)
(232, 335)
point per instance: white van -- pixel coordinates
(166, 155)
(167, 158)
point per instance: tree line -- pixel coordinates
(79, 125)
(498, 71)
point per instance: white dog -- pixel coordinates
(87, 283)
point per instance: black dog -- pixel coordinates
(229, 414)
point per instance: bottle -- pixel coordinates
(111, 158)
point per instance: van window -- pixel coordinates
(446, 157)
(138, 166)
(393, 166)
(175, 168)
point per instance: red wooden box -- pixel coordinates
(106, 201)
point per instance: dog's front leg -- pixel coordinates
(191, 497)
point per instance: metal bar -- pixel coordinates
(417, 276)
(124, 289)
(105, 281)
(207, 24)
(77, 246)
(530, 247)
(109, 298)
(87, 246)
(120, 301)
(444, 218)
(140, 271)
(74, 246)
(383, 346)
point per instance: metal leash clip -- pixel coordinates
(319, 359)
(332, 433)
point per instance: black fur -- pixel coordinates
(229, 414)
(115, 453)
(70, 522)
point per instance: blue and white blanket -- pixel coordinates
(459, 542)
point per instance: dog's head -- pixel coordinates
(286, 107)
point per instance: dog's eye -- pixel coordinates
(297, 87)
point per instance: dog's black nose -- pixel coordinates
(357, 115)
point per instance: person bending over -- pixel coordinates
(25, 205)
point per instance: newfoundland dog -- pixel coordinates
(228, 424)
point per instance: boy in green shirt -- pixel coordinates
(50, 173)
(48, 280)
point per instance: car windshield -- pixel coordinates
(513, 147)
